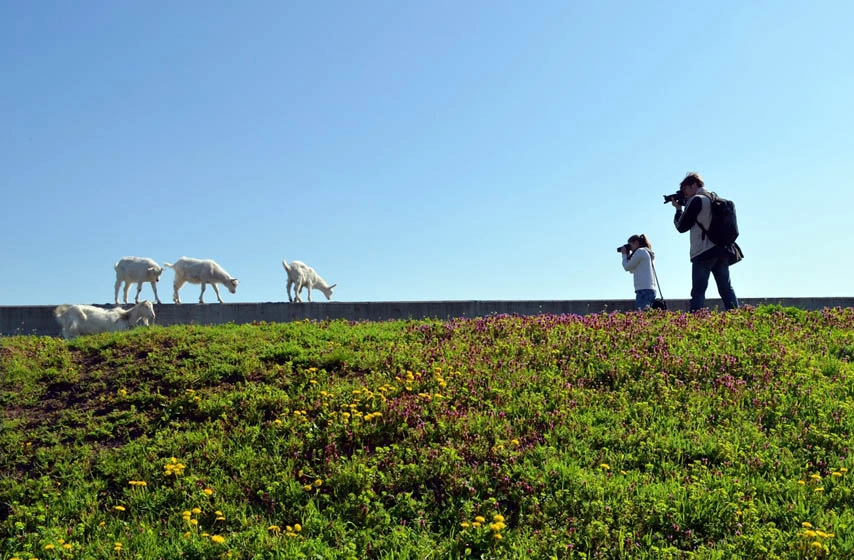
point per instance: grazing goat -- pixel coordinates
(137, 270)
(300, 275)
(88, 319)
(204, 272)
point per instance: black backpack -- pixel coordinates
(723, 227)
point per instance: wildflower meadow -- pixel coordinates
(621, 435)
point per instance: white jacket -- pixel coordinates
(640, 265)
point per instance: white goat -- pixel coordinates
(137, 270)
(204, 272)
(300, 275)
(88, 319)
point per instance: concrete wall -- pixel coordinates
(39, 320)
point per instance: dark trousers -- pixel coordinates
(716, 263)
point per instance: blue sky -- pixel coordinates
(438, 150)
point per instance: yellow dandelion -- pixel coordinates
(465, 524)
(809, 533)
(194, 522)
(843, 470)
(208, 491)
(297, 527)
(801, 482)
(819, 489)
(197, 511)
(605, 466)
(67, 546)
(497, 536)
(220, 518)
(307, 487)
(476, 525)
(119, 508)
(806, 524)
(274, 529)
(821, 534)
(817, 544)
(498, 517)
(480, 519)
(815, 476)
(836, 473)
(514, 441)
(218, 539)
(49, 546)
(318, 482)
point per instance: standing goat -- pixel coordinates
(300, 275)
(88, 319)
(137, 270)
(204, 272)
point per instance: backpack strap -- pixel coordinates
(712, 197)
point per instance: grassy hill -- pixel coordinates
(658, 435)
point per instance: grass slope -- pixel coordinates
(657, 435)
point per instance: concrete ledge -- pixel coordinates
(39, 320)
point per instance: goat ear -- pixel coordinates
(332, 286)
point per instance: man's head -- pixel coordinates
(691, 184)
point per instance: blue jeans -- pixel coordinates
(716, 264)
(644, 298)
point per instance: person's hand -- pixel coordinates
(676, 204)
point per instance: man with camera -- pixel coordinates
(706, 257)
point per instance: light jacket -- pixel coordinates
(640, 265)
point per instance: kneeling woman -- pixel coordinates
(637, 259)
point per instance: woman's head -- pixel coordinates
(638, 241)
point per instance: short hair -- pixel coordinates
(691, 178)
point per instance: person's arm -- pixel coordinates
(630, 264)
(685, 220)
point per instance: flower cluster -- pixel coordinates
(814, 539)
(173, 467)
(479, 522)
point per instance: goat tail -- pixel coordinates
(167, 265)
(285, 264)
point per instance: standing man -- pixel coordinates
(706, 257)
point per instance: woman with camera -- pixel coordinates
(637, 259)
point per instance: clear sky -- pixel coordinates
(421, 150)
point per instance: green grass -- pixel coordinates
(625, 435)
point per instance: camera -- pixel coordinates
(677, 196)
(625, 248)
